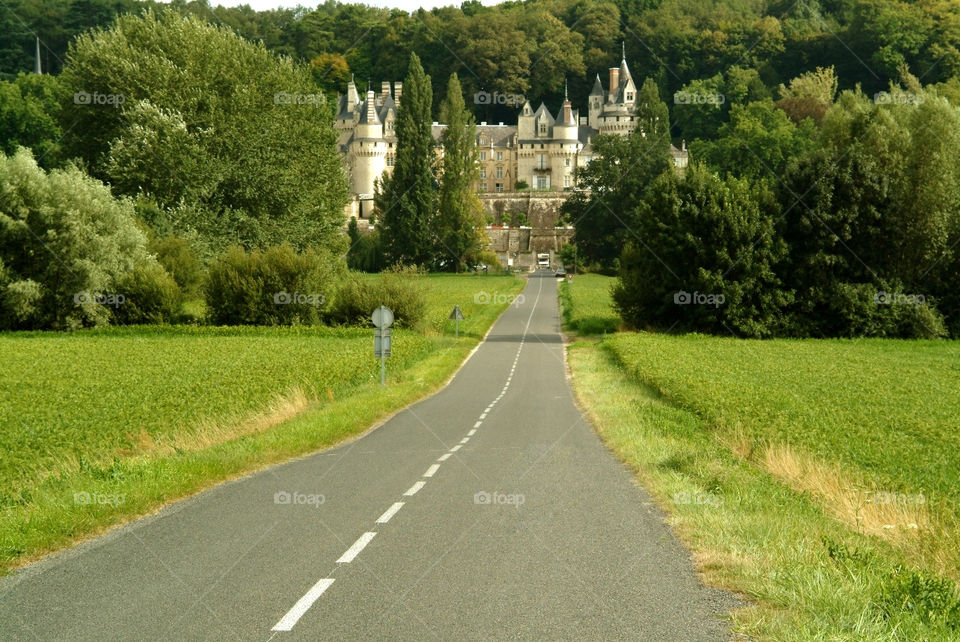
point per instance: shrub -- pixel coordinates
(275, 287)
(180, 261)
(401, 290)
(150, 295)
(366, 249)
(64, 242)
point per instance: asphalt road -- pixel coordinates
(490, 510)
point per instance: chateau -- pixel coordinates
(541, 151)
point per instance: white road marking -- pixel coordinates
(431, 470)
(464, 440)
(354, 550)
(456, 448)
(413, 489)
(477, 425)
(303, 604)
(383, 519)
(489, 408)
(444, 457)
(483, 416)
(472, 433)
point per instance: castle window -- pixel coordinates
(483, 173)
(499, 156)
(499, 188)
(483, 187)
(483, 156)
(499, 171)
(566, 181)
(389, 160)
(629, 95)
(543, 129)
(541, 161)
(566, 162)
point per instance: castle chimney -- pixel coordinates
(614, 80)
(397, 92)
(384, 89)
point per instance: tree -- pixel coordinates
(703, 259)
(602, 207)
(255, 137)
(65, 242)
(757, 142)
(28, 118)
(406, 201)
(460, 218)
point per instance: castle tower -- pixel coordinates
(595, 104)
(565, 128)
(368, 153)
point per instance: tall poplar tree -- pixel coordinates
(406, 201)
(459, 231)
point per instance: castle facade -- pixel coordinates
(541, 152)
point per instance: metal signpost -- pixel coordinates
(382, 319)
(457, 316)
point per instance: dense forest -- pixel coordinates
(531, 47)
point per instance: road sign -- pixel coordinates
(381, 343)
(457, 316)
(383, 317)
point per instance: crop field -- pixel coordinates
(114, 409)
(587, 304)
(89, 396)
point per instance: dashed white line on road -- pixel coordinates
(443, 457)
(303, 604)
(477, 425)
(383, 519)
(456, 448)
(464, 440)
(354, 550)
(431, 470)
(472, 433)
(413, 489)
(483, 416)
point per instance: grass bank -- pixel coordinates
(101, 426)
(587, 305)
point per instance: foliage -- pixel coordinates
(150, 295)
(237, 140)
(64, 243)
(401, 290)
(273, 287)
(706, 259)
(460, 216)
(29, 111)
(180, 261)
(366, 249)
(406, 201)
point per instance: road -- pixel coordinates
(490, 510)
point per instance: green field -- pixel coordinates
(819, 478)
(155, 413)
(587, 305)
